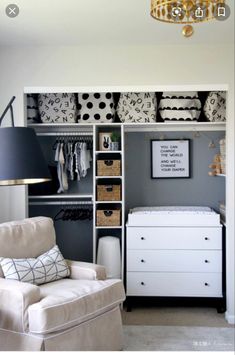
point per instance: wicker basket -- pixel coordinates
(110, 217)
(108, 192)
(108, 167)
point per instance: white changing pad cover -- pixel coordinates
(173, 215)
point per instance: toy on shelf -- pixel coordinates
(215, 166)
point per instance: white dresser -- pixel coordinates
(181, 260)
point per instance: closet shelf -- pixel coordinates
(108, 227)
(59, 203)
(61, 197)
(108, 151)
(133, 127)
(108, 177)
(175, 126)
(221, 175)
(108, 202)
(61, 128)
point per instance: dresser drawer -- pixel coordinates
(174, 284)
(174, 238)
(175, 260)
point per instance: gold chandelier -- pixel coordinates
(185, 12)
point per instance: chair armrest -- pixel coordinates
(15, 298)
(86, 271)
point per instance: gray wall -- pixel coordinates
(75, 239)
(200, 189)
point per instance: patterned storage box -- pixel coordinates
(215, 106)
(108, 192)
(108, 167)
(32, 109)
(110, 217)
(96, 107)
(180, 106)
(57, 108)
(137, 107)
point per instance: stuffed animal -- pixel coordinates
(215, 166)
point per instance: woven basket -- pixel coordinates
(108, 192)
(108, 217)
(108, 167)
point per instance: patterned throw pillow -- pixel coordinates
(215, 106)
(137, 107)
(47, 267)
(180, 106)
(57, 108)
(96, 107)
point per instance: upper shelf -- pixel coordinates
(134, 127)
(175, 126)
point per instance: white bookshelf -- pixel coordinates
(120, 229)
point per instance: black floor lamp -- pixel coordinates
(21, 159)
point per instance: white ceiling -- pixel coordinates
(100, 22)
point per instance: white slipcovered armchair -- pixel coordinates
(77, 313)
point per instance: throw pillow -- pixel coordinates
(137, 107)
(47, 267)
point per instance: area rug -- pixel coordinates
(176, 338)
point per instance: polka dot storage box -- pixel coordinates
(96, 107)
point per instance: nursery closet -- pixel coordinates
(72, 208)
(120, 179)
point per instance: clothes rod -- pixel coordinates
(60, 203)
(65, 134)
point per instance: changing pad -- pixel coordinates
(173, 216)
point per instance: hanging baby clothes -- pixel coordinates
(77, 154)
(85, 159)
(73, 160)
(62, 176)
(82, 159)
(70, 160)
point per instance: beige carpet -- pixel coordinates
(175, 316)
(177, 338)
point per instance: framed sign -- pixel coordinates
(104, 141)
(170, 159)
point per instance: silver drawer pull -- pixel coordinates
(206, 284)
(142, 260)
(142, 283)
(142, 238)
(206, 261)
(206, 238)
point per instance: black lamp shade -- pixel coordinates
(21, 159)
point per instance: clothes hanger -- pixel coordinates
(59, 215)
(55, 144)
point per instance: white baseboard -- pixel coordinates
(230, 318)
